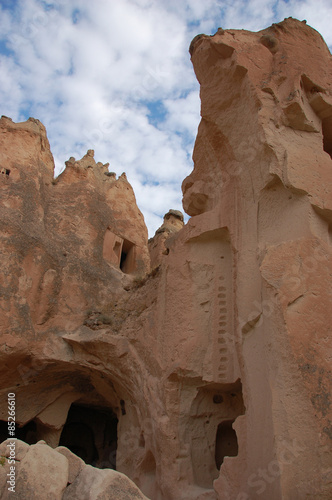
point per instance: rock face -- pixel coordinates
(173, 222)
(262, 182)
(208, 376)
(42, 472)
(71, 247)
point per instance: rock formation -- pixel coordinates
(173, 222)
(263, 180)
(42, 472)
(205, 374)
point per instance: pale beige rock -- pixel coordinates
(53, 414)
(4, 471)
(11, 452)
(21, 449)
(95, 484)
(42, 473)
(75, 464)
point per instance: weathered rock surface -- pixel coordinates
(42, 472)
(207, 377)
(173, 222)
(263, 176)
(96, 484)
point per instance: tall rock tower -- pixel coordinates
(261, 193)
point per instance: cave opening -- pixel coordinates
(226, 442)
(26, 433)
(212, 413)
(91, 433)
(127, 259)
(3, 430)
(123, 259)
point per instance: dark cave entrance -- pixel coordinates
(27, 433)
(91, 433)
(226, 442)
(3, 431)
(327, 135)
(123, 259)
(127, 259)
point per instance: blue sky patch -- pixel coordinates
(9, 4)
(76, 16)
(157, 112)
(4, 49)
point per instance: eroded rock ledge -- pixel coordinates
(206, 375)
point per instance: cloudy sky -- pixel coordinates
(115, 76)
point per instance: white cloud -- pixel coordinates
(95, 73)
(11, 91)
(182, 113)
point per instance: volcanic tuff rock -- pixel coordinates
(207, 377)
(173, 222)
(42, 472)
(263, 176)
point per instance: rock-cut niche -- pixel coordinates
(213, 412)
(226, 442)
(119, 252)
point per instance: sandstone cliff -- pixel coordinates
(208, 376)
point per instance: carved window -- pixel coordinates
(226, 442)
